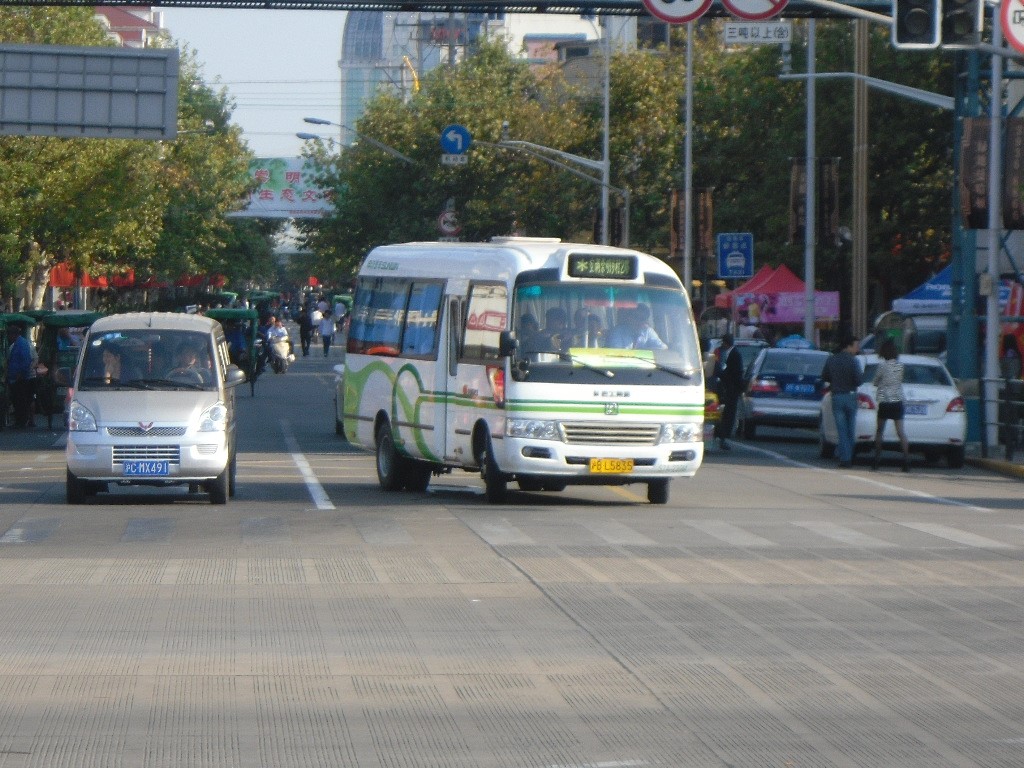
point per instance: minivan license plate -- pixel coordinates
(611, 466)
(146, 468)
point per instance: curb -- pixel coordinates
(997, 465)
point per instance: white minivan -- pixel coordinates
(153, 403)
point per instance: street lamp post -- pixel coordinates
(368, 139)
(544, 154)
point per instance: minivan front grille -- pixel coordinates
(617, 433)
(140, 432)
(170, 453)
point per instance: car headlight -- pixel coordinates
(535, 429)
(80, 418)
(681, 433)
(214, 418)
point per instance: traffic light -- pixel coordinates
(916, 23)
(961, 23)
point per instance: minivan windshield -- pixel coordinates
(147, 359)
(630, 333)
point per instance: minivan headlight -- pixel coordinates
(80, 418)
(214, 418)
(535, 429)
(681, 433)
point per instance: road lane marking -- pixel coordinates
(729, 533)
(958, 536)
(316, 491)
(869, 480)
(843, 534)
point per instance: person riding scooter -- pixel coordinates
(280, 346)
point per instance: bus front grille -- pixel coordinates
(614, 433)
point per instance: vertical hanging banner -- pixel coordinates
(677, 11)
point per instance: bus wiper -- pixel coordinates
(584, 364)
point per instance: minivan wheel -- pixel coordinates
(218, 487)
(75, 489)
(232, 471)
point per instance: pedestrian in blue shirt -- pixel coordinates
(843, 373)
(19, 376)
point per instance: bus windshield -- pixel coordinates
(629, 332)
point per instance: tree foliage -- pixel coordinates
(748, 125)
(109, 205)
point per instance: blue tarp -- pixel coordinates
(935, 296)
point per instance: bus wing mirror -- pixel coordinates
(507, 343)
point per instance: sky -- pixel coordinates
(279, 67)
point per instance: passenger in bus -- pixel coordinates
(634, 330)
(556, 335)
(588, 331)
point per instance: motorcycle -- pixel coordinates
(281, 354)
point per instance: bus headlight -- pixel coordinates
(534, 429)
(214, 418)
(681, 433)
(80, 418)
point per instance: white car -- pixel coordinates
(935, 417)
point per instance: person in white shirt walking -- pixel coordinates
(888, 382)
(327, 330)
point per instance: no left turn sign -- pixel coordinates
(754, 10)
(1013, 23)
(677, 11)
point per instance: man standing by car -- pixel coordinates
(730, 385)
(19, 376)
(842, 372)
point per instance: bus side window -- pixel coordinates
(420, 336)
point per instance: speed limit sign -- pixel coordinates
(677, 11)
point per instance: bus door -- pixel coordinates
(476, 378)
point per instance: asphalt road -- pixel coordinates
(777, 612)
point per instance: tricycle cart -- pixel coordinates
(59, 342)
(241, 329)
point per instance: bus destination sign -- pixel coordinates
(602, 266)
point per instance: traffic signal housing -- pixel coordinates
(961, 23)
(916, 23)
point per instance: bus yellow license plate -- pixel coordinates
(611, 466)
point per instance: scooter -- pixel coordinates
(281, 354)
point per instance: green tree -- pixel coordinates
(204, 176)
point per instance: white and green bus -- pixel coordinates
(527, 360)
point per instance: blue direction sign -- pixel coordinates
(455, 140)
(735, 254)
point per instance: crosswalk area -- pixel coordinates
(401, 526)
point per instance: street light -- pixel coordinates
(544, 154)
(369, 140)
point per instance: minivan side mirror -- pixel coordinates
(235, 376)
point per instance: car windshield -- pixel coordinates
(916, 373)
(626, 332)
(147, 359)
